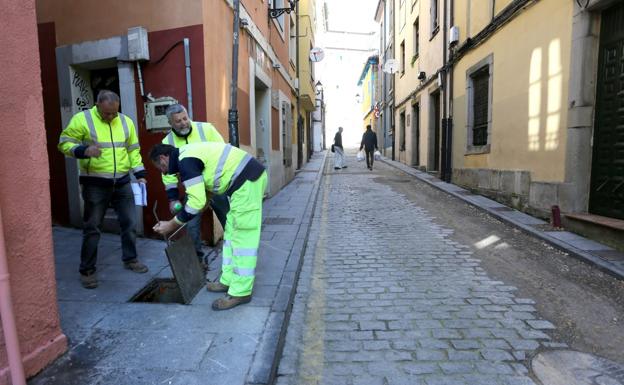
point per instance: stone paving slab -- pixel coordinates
(116, 342)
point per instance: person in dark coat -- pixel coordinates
(369, 144)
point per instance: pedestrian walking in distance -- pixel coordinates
(183, 132)
(106, 145)
(339, 158)
(369, 144)
(221, 169)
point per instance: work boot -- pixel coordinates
(217, 287)
(229, 302)
(89, 281)
(136, 266)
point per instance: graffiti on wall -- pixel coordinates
(81, 92)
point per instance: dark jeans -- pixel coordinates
(96, 201)
(370, 157)
(220, 205)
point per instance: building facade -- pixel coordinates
(418, 92)
(370, 88)
(183, 52)
(384, 17)
(535, 104)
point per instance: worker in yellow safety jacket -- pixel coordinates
(183, 132)
(220, 168)
(106, 145)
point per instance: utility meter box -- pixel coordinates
(138, 48)
(155, 113)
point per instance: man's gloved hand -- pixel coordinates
(175, 206)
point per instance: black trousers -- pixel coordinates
(370, 157)
(96, 201)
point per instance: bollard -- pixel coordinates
(556, 216)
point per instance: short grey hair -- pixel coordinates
(107, 96)
(174, 109)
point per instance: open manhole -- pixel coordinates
(160, 290)
(188, 275)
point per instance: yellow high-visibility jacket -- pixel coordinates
(211, 167)
(200, 132)
(118, 141)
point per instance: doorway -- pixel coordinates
(607, 175)
(415, 134)
(434, 130)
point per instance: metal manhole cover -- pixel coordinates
(278, 221)
(567, 367)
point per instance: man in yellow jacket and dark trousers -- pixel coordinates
(183, 132)
(221, 169)
(107, 147)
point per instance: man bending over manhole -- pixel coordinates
(220, 168)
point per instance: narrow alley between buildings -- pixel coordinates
(404, 284)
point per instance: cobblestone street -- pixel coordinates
(387, 296)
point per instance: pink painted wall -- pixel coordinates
(24, 195)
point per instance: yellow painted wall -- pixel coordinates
(480, 15)
(499, 5)
(306, 41)
(367, 92)
(429, 60)
(531, 60)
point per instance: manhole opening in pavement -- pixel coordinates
(160, 290)
(278, 221)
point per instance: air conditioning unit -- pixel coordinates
(454, 35)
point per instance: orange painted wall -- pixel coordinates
(24, 198)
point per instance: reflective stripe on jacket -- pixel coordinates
(222, 164)
(117, 140)
(200, 132)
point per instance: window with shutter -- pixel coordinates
(480, 82)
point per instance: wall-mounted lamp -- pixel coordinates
(583, 7)
(274, 13)
(422, 75)
(358, 98)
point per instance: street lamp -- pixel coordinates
(274, 12)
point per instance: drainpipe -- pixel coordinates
(298, 72)
(445, 131)
(187, 64)
(8, 317)
(450, 99)
(233, 112)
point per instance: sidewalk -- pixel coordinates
(601, 256)
(113, 341)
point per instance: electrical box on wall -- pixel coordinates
(138, 48)
(155, 113)
(454, 35)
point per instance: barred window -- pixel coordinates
(480, 83)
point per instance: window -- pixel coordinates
(435, 25)
(479, 92)
(402, 57)
(292, 44)
(480, 103)
(402, 14)
(416, 38)
(280, 20)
